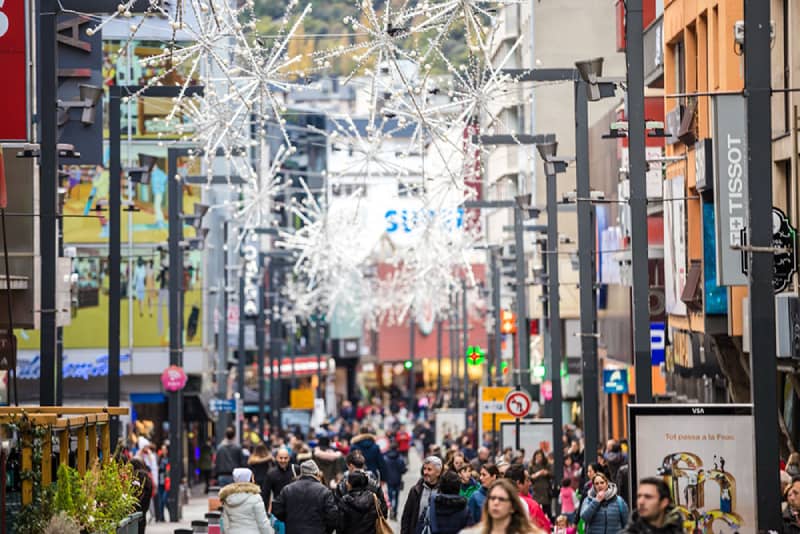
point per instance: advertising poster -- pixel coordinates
(705, 455)
(449, 422)
(534, 434)
(144, 271)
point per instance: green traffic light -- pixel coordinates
(408, 364)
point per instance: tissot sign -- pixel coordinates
(730, 186)
(13, 64)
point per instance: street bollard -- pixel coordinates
(200, 526)
(213, 498)
(213, 519)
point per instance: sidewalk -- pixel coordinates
(196, 509)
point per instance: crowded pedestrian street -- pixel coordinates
(399, 266)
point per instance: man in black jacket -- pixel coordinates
(229, 457)
(278, 477)
(419, 495)
(654, 511)
(306, 506)
(355, 464)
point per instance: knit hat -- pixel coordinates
(242, 474)
(309, 467)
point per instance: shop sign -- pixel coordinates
(250, 276)
(173, 378)
(615, 380)
(31, 369)
(15, 89)
(730, 185)
(783, 237)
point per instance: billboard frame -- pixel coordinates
(679, 412)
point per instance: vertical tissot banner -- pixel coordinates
(730, 185)
(705, 455)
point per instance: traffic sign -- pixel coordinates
(518, 403)
(222, 405)
(491, 408)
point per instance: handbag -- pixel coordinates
(381, 524)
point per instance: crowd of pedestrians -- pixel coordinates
(347, 476)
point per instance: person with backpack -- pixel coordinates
(447, 511)
(358, 508)
(603, 511)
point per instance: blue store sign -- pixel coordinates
(615, 380)
(658, 342)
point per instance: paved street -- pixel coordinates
(198, 505)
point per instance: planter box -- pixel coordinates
(130, 525)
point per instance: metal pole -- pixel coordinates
(412, 378)
(498, 342)
(275, 357)
(222, 339)
(320, 331)
(465, 338)
(638, 203)
(517, 429)
(114, 252)
(292, 355)
(588, 296)
(240, 359)
(60, 332)
(261, 349)
(48, 195)
(522, 301)
(439, 359)
(451, 333)
(175, 202)
(554, 319)
(763, 366)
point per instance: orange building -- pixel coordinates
(707, 314)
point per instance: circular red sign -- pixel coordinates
(173, 378)
(518, 404)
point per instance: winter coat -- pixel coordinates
(307, 507)
(673, 524)
(260, 466)
(229, 457)
(475, 505)
(243, 509)
(535, 513)
(372, 453)
(372, 485)
(206, 462)
(410, 519)
(277, 479)
(357, 512)
(448, 514)
(403, 440)
(606, 517)
(469, 488)
(395, 468)
(330, 462)
(542, 487)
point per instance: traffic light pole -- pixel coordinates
(763, 365)
(498, 343)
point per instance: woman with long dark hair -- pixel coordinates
(503, 512)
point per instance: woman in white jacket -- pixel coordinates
(243, 510)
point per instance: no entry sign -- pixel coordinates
(518, 403)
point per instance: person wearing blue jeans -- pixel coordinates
(395, 466)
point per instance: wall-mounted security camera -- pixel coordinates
(738, 33)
